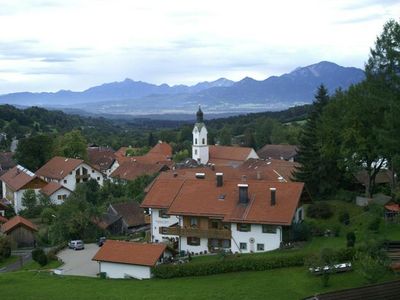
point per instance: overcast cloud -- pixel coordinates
(52, 45)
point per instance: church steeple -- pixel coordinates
(199, 115)
(200, 146)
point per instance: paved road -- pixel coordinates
(24, 257)
(80, 262)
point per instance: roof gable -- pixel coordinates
(18, 177)
(16, 222)
(58, 167)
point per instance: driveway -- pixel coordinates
(80, 262)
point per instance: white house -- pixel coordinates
(213, 214)
(56, 192)
(120, 259)
(68, 172)
(16, 181)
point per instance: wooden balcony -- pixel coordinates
(83, 176)
(197, 232)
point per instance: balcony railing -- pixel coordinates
(197, 232)
(83, 176)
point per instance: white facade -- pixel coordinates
(117, 270)
(58, 197)
(157, 222)
(70, 181)
(252, 154)
(200, 151)
(113, 167)
(195, 249)
(299, 215)
(15, 197)
(255, 237)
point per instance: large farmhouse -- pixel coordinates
(68, 172)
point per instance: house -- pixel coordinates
(159, 154)
(122, 218)
(69, 172)
(56, 192)
(217, 155)
(103, 159)
(132, 169)
(16, 181)
(282, 152)
(120, 259)
(21, 231)
(208, 215)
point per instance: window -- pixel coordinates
(162, 213)
(193, 222)
(300, 214)
(195, 141)
(204, 141)
(195, 151)
(59, 197)
(65, 181)
(243, 227)
(260, 247)
(193, 241)
(98, 178)
(268, 229)
(214, 224)
(243, 246)
(92, 171)
(226, 243)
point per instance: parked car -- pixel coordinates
(101, 241)
(76, 245)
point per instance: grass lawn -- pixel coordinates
(8, 261)
(286, 283)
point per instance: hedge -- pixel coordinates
(247, 263)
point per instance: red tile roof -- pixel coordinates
(16, 222)
(131, 213)
(160, 153)
(18, 177)
(3, 219)
(285, 152)
(52, 187)
(201, 197)
(229, 153)
(393, 207)
(130, 253)
(58, 167)
(101, 157)
(130, 170)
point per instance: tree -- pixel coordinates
(73, 145)
(383, 67)
(225, 136)
(34, 152)
(249, 140)
(29, 200)
(309, 155)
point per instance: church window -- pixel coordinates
(195, 151)
(204, 141)
(195, 141)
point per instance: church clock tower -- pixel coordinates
(200, 147)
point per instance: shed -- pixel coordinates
(21, 231)
(120, 259)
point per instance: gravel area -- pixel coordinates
(80, 262)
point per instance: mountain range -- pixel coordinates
(219, 96)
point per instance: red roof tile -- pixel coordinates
(285, 152)
(229, 153)
(130, 253)
(17, 221)
(58, 167)
(101, 157)
(162, 193)
(18, 177)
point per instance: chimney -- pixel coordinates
(273, 196)
(200, 175)
(220, 179)
(243, 193)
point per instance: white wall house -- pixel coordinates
(121, 259)
(159, 219)
(68, 172)
(16, 181)
(56, 192)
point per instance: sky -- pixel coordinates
(48, 45)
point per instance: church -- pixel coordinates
(206, 154)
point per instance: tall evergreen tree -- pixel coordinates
(309, 158)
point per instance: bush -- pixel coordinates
(351, 239)
(319, 210)
(5, 247)
(301, 231)
(374, 224)
(344, 218)
(39, 256)
(244, 263)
